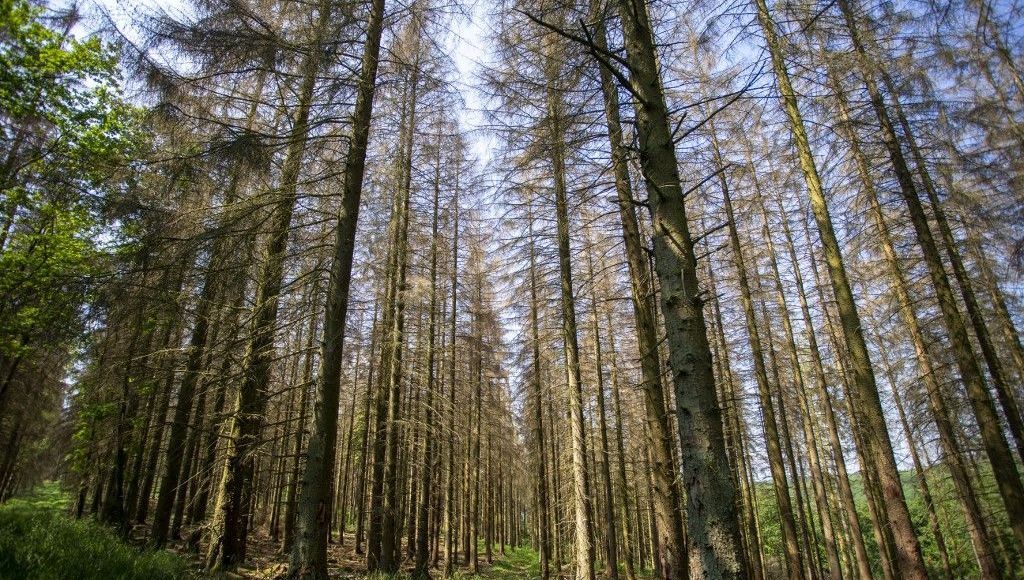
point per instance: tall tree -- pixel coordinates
(309, 556)
(671, 542)
(711, 519)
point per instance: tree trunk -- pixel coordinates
(611, 563)
(543, 525)
(360, 493)
(919, 470)
(825, 401)
(624, 501)
(672, 545)
(736, 433)
(390, 532)
(450, 516)
(584, 537)
(228, 533)
(291, 505)
(712, 522)
(163, 405)
(422, 518)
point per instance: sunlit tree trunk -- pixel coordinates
(611, 558)
(625, 505)
(584, 536)
(450, 516)
(537, 394)
(422, 539)
(714, 538)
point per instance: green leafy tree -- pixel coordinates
(66, 135)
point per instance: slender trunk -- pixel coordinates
(114, 512)
(611, 563)
(477, 410)
(810, 562)
(584, 537)
(360, 493)
(188, 466)
(390, 532)
(149, 468)
(379, 556)
(177, 440)
(309, 554)
(142, 438)
(1010, 333)
(735, 431)
(346, 476)
(919, 469)
(291, 505)
(883, 535)
(450, 516)
(538, 411)
(624, 502)
(422, 519)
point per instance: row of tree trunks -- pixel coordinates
(875, 442)
(447, 451)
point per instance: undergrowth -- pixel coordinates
(40, 541)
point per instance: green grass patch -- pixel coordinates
(516, 563)
(40, 541)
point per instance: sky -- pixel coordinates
(467, 46)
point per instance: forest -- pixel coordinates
(621, 289)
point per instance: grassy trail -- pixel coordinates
(518, 563)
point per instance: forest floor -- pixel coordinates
(268, 563)
(40, 539)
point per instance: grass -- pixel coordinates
(516, 563)
(40, 541)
